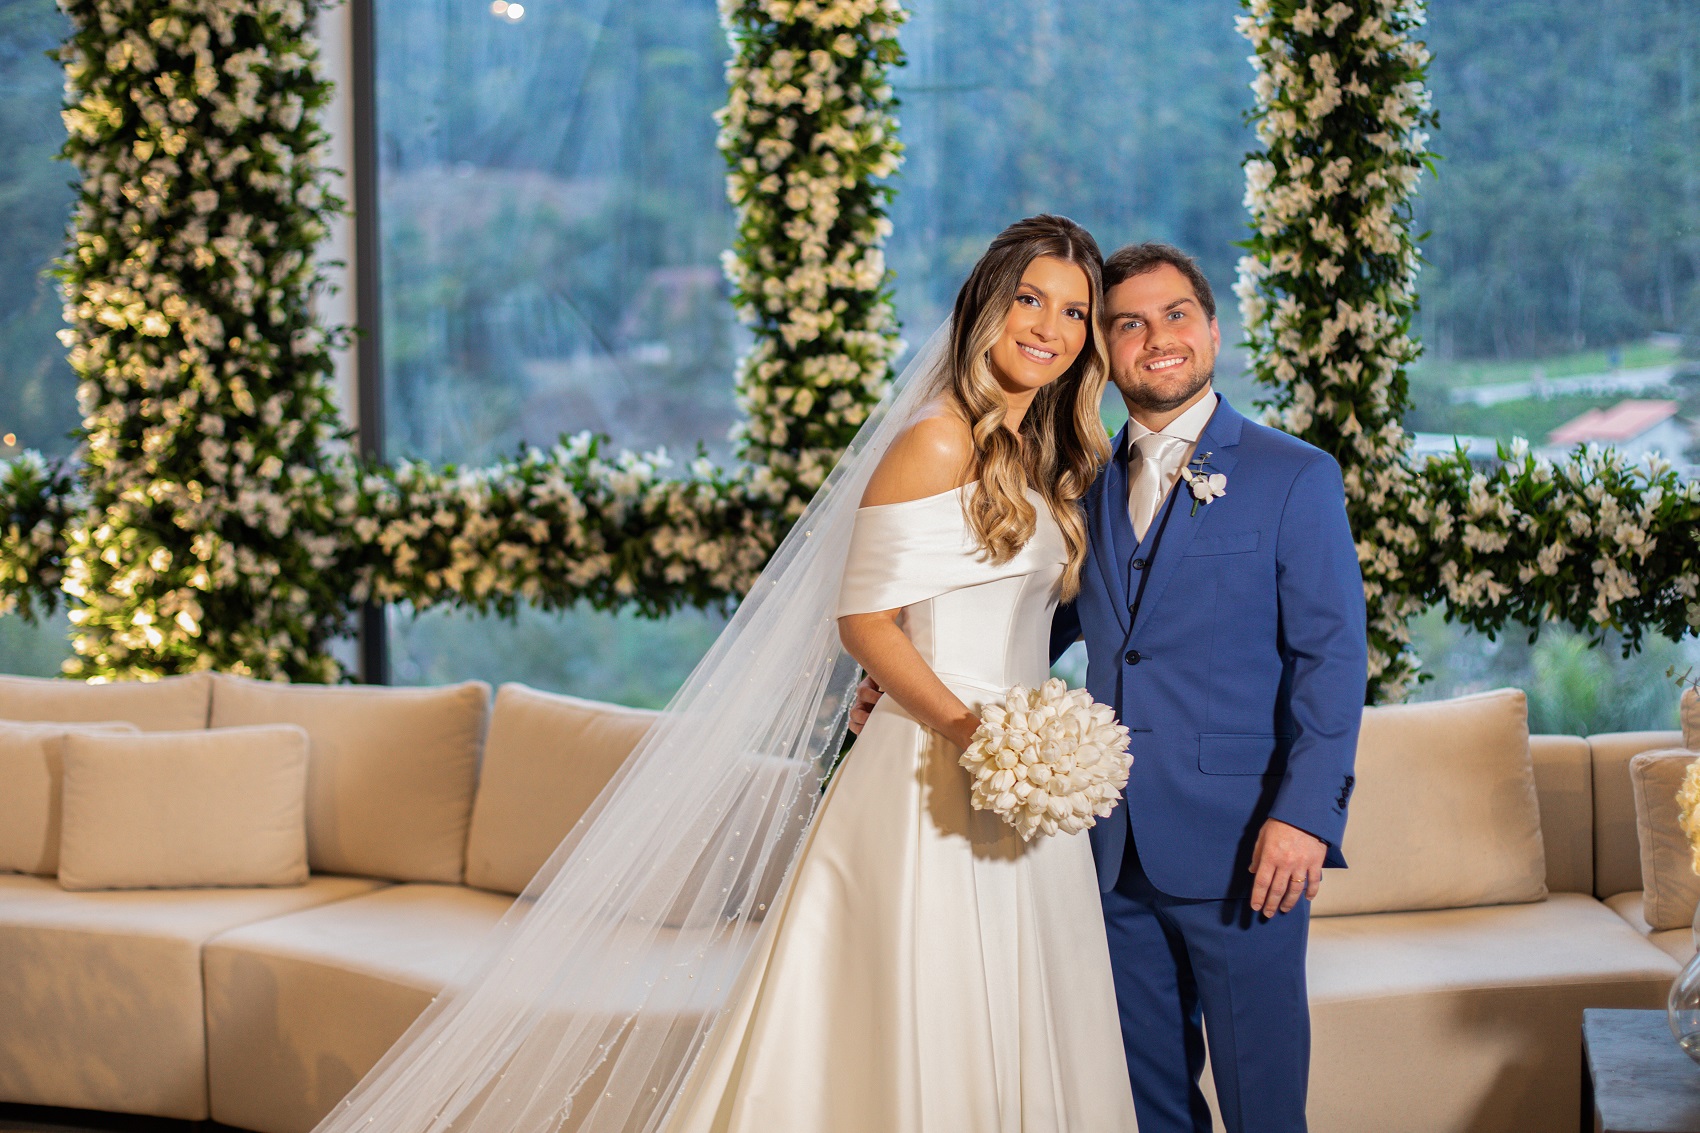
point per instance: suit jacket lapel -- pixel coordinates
(1220, 437)
(1110, 491)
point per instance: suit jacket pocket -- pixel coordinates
(1234, 543)
(1236, 753)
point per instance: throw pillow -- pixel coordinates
(390, 773)
(1670, 889)
(171, 704)
(547, 758)
(1444, 814)
(177, 810)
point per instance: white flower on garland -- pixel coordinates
(1048, 759)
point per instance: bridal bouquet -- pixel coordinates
(1048, 759)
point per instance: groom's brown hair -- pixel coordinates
(1137, 259)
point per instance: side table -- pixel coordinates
(1635, 1079)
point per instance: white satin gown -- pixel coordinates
(928, 972)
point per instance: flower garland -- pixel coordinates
(1326, 294)
(207, 417)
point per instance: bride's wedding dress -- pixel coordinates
(716, 947)
(928, 971)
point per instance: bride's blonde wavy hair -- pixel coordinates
(1062, 442)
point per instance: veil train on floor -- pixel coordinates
(586, 1006)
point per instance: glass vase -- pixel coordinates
(1683, 1006)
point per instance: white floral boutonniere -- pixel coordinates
(1204, 487)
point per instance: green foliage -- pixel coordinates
(41, 500)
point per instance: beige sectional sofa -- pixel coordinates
(427, 810)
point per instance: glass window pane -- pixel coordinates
(553, 211)
(1563, 278)
(38, 391)
(552, 214)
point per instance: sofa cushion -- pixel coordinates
(1691, 719)
(1617, 854)
(171, 704)
(390, 771)
(1677, 943)
(175, 810)
(1444, 814)
(1671, 888)
(1564, 785)
(31, 778)
(1460, 1020)
(547, 758)
(300, 1007)
(102, 992)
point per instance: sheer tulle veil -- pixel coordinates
(587, 1006)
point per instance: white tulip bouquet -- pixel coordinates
(1048, 759)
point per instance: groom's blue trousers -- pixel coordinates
(1176, 960)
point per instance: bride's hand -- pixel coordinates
(868, 694)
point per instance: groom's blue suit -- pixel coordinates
(1231, 643)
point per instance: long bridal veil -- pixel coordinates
(585, 1008)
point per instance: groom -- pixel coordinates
(1226, 625)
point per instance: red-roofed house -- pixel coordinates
(1636, 427)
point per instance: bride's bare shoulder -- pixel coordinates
(933, 455)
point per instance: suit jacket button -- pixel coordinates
(1138, 564)
(1133, 657)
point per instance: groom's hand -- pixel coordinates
(868, 694)
(1288, 865)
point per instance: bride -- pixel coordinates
(718, 946)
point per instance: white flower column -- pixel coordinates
(207, 418)
(1327, 291)
(809, 132)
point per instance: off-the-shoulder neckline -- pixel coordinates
(919, 499)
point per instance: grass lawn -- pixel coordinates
(1479, 372)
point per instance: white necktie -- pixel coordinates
(1160, 460)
